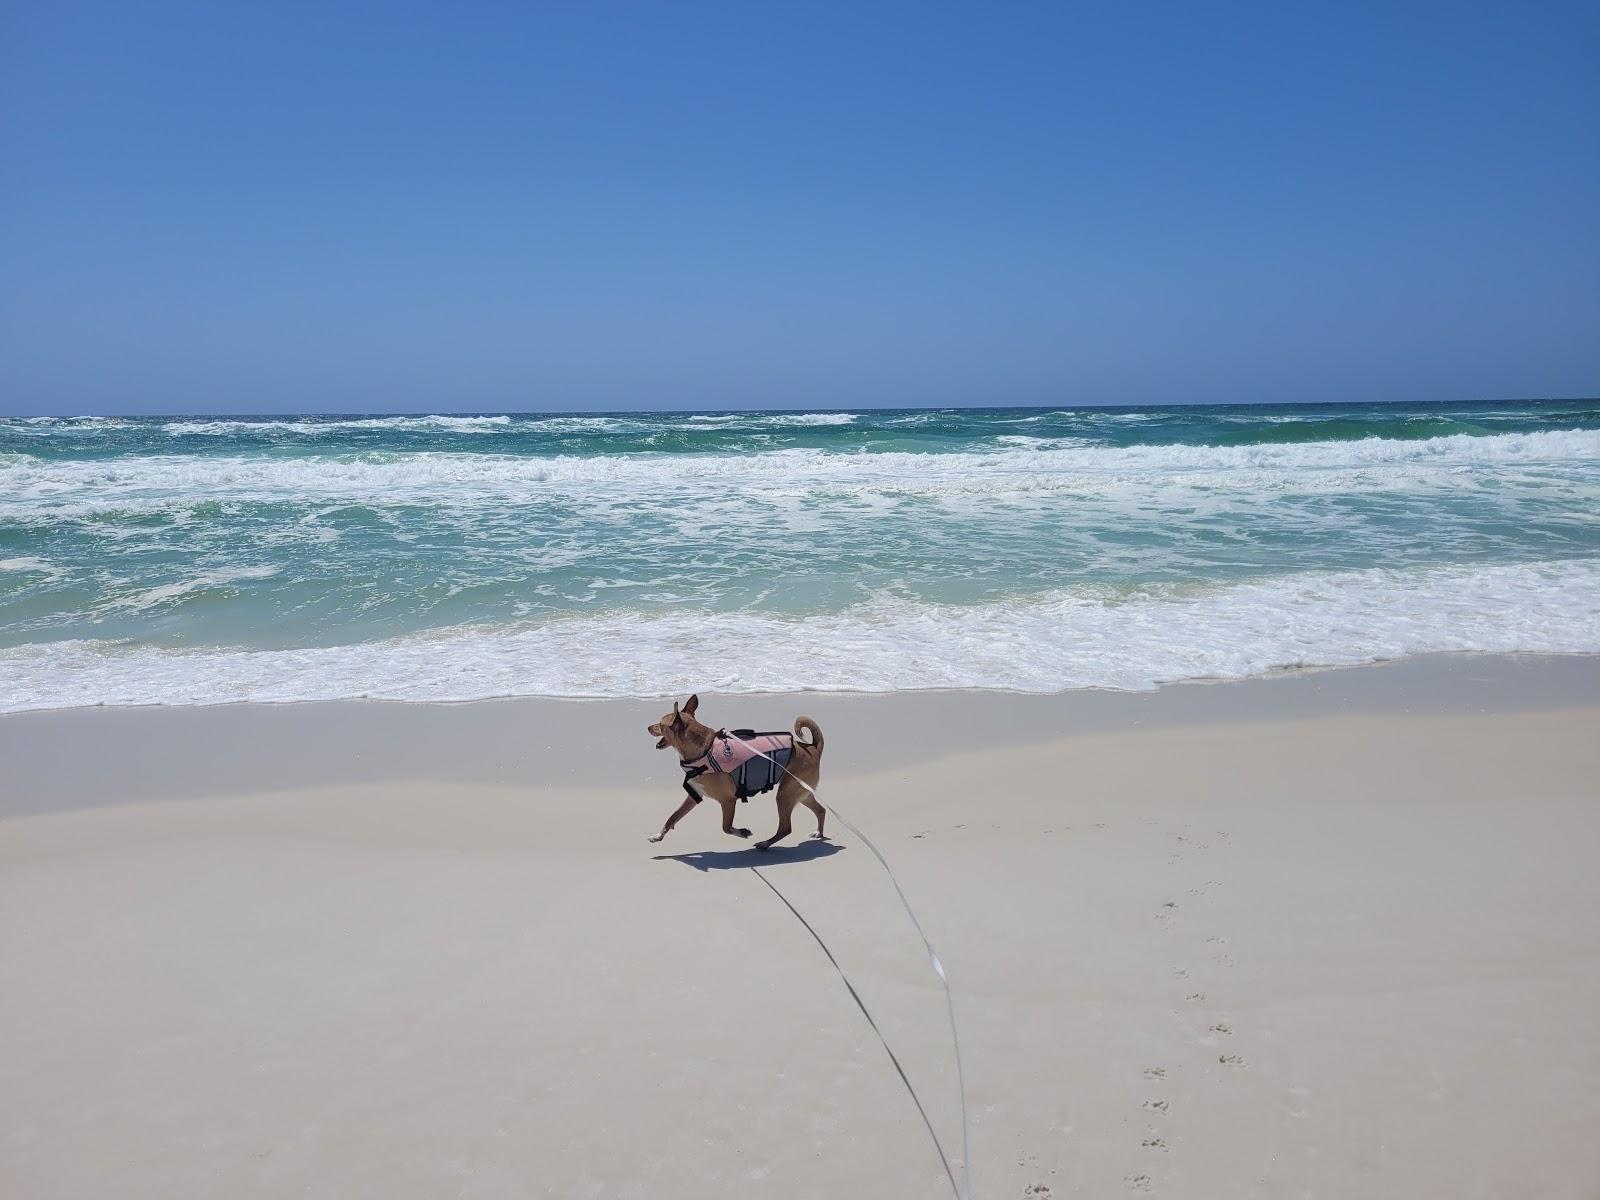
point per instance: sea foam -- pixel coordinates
(221, 427)
(1049, 643)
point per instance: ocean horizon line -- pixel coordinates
(1099, 406)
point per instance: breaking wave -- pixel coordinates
(76, 487)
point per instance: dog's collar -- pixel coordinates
(701, 763)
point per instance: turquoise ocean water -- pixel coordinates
(201, 560)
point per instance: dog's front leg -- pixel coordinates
(677, 816)
(729, 806)
(786, 803)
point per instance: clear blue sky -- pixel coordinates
(334, 206)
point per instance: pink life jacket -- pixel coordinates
(741, 757)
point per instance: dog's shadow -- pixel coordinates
(728, 860)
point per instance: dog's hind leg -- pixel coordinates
(819, 812)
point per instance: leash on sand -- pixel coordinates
(963, 1190)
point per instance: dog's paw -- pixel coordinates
(741, 833)
(658, 837)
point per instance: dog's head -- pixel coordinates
(679, 730)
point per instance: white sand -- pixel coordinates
(1323, 955)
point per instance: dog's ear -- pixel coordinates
(692, 703)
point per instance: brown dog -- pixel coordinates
(700, 749)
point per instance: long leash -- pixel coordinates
(964, 1190)
(882, 1041)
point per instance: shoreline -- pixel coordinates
(149, 752)
(1277, 673)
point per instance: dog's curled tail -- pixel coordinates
(812, 728)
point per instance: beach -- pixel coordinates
(1317, 934)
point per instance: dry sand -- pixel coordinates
(1336, 935)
